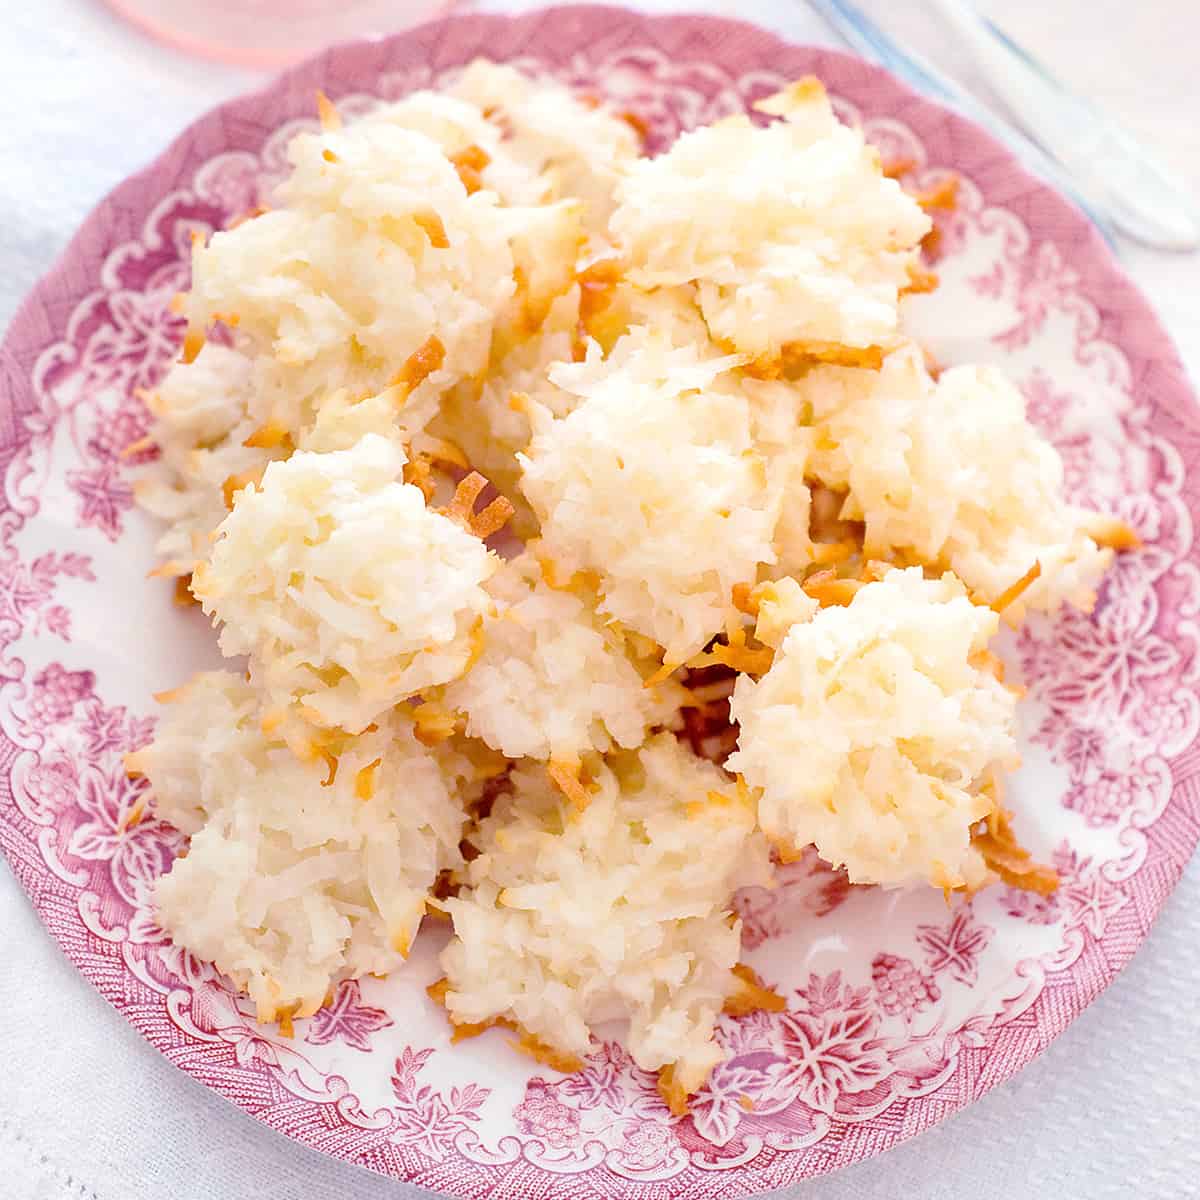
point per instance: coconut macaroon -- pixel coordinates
(472, 142)
(653, 484)
(201, 428)
(877, 731)
(952, 473)
(690, 374)
(381, 272)
(377, 267)
(796, 240)
(544, 226)
(581, 146)
(298, 873)
(347, 593)
(553, 681)
(619, 911)
(489, 419)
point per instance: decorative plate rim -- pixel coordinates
(1104, 275)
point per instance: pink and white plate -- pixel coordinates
(900, 1010)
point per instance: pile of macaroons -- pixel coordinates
(490, 437)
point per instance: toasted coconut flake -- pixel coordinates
(752, 995)
(418, 366)
(637, 123)
(767, 369)
(698, 808)
(664, 672)
(183, 597)
(1111, 533)
(462, 1030)
(874, 569)
(432, 723)
(895, 168)
(331, 762)
(548, 567)
(998, 844)
(566, 774)
(827, 589)
(597, 288)
(401, 942)
(834, 354)
(248, 215)
(602, 272)
(798, 93)
(461, 508)
(193, 343)
(471, 179)
(1014, 590)
(825, 553)
(286, 1017)
(985, 660)
(674, 1095)
(920, 280)
(736, 654)
(434, 228)
(462, 505)
(443, 451)
(272, 720)
(469, 162)
(139, 446)
(327, 113)
(471, 1029)
(943, 194)
(235, 483)
(269, 436)
(533, 313)
(364, 780)
(547, 1055)
(475, 647)
(492, 518)
(746, 599)
(419, 472)
(132, 816)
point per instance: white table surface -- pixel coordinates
(89, 1111)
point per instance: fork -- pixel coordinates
(1066, 140)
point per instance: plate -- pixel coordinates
(900, 1009)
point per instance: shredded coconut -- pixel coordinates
(552, 680)
(347, 593)
(291, 882)
(791, 232)
(619, 911)
(653, 482)
(873, 735)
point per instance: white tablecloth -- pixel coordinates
(87, 1110)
